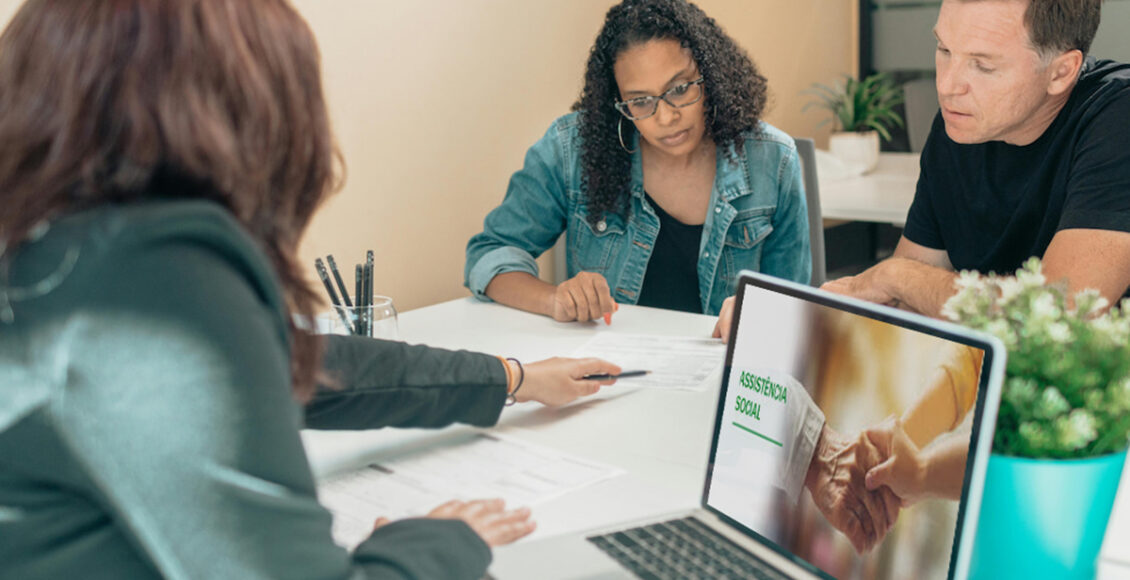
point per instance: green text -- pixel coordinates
(766, 387)
(748, 407)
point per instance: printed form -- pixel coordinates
(675, 362)
(476, 466)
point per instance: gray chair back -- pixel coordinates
(806, 148)
(560, 266)
(921, 107)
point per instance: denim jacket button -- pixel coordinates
(601, 226)
(718, 209)
(706, 254)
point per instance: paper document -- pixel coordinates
(477, 466)
(675, 362)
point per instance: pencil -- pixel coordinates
(321, 268)
(358, 278)
(368, 290)
(340, 282)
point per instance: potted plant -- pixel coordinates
(862, 111)
(1063, 424)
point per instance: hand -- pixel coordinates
(557, 381)
(865, 286)
(836, 481)
(904, 469)
(583, 297)
(725, 317)
(486, 517)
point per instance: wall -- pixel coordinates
(435, 103)
(435, 109)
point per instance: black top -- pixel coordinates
(671, 280)
(147, 425)
(991, 206)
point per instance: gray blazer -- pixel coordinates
(147, 424)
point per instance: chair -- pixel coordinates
(921, 102)
(806, 148)
(560, 267)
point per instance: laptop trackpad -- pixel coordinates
(569, 556)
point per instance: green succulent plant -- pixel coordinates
(859, 106)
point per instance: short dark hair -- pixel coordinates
(1057, 26)
(736, 91)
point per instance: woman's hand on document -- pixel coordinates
(487, 517)
(585, 296)
(558, 381)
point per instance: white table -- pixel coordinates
(660, 438)
(884, 195)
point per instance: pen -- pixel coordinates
(623, 375)
(340, 282)
(608, 315)
(321, 267)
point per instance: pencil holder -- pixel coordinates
(376, 320)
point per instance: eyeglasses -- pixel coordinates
(677, 96)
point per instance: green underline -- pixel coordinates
(747, 429)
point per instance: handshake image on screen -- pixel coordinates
(845, 438)
(861, 482)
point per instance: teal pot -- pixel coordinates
(1044, 518)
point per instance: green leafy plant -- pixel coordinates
(1067, 392)
(859, 106)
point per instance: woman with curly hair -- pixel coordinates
(664, 180)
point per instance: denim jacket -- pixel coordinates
(758, 220)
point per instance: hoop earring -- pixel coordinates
(620, 133)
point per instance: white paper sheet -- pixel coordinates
(675, 362)
(478, 466)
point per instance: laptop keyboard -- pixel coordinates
(682, 548)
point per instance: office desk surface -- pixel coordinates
(883, 195)
(660, 438)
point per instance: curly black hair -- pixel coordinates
(735, 91)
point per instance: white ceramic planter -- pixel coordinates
(857, 149)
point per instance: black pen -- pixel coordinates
(340, 282)
(623, 375)
(321, 267)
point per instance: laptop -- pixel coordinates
(791, 349)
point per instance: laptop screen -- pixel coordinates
(843, 437)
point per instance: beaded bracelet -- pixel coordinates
(510, 400)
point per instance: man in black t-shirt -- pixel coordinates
(1028, 156)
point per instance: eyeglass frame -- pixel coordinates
(662, 97)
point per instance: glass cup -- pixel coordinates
(377, 320)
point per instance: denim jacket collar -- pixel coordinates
(731, 179)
